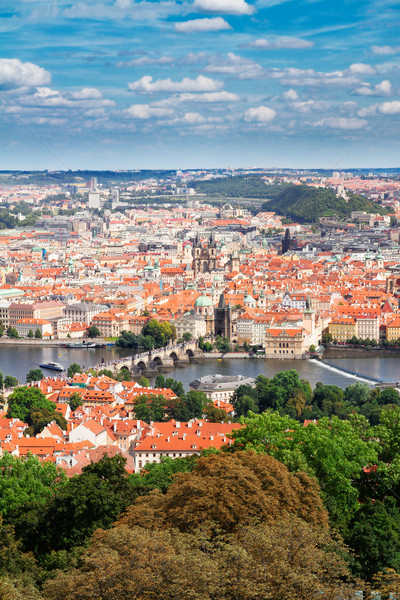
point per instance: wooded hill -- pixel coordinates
(247, 186)
(307, 204)
(298, 202)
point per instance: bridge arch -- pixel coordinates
(142, 365)
(190, 352)
(157, 360)
(174, 356)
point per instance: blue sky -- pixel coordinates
(127, 84)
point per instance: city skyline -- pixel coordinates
(197, 84)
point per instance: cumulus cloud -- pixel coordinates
(147, 60)
(275, 42)
(384, 88)
(384, 50)
(199, 84)
(308, 106)
(16, 74)
(259, 114)
(342, 123)
(385, 108)
(87, 93)
(48, 121)
(291, 76)
(199, 25)
(361, 69)
(208, 98)
(228, 7)
(193, 118)
(390, 108)
(235, 66)
(145, 111)
(290, 95)
(47, 97)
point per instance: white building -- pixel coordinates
(220, 387)
(193, 324)
(24, 326)
(90, 431)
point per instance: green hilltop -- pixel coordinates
(308, 204)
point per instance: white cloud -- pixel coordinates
(384, 50)
(308, 106)
(144, 111)
(389, 108)
(234, 65)
(290, 95)
(274, 42)
(228, 7)
(291, 76)
(15, 74)
(384, 88)
(86, 94)
(147, 60)
(361, 69)
(208, 98)
(199, 84)
(259, 114)
(48, 121)
(199, 25)
(84, 98)
(193, 118)
(342, 123)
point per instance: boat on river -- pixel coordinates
(52, 365)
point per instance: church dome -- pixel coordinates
(202, 301)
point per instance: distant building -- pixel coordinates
(220, 387)
(288, 243)
(204, 258)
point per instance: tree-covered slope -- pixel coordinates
(308, 204)
(247, 186)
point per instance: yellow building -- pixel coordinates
(342, 329)
(393, 330)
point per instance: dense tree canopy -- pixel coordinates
(25, 400)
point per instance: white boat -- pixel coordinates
(52, 365)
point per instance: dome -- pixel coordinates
(202, 301)
(249, 299)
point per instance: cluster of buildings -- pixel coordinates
(116, 258)
(106, 423)
(211, 270)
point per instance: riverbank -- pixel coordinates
(367, 352)
(48, 343)
(220, 355)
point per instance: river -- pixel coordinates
(17, 360)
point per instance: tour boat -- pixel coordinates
(52, 365)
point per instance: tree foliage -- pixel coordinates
(26, 400)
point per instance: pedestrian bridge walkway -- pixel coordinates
(167, 357)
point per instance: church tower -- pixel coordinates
(222, 319)
(204, 258)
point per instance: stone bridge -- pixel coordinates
(161, 357)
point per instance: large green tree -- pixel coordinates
(332, 450)
(34, 375)
(25, 480)
(161, 332)
(24, 400)
(88, 501)
(72, 369)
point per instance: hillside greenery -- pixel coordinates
(308, 204)
(246, 186)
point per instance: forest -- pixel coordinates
(308, 204)
(297, 202)
(289, 510)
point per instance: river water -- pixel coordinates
(17, 360)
